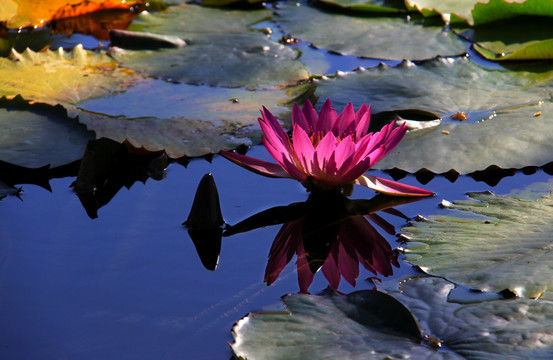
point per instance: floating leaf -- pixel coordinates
(368, 6)
(251, 61)
(331, 327)
(367, 37)
(495, 330)
(59, 77)
(512, 138)
(492, 242)
(184, 120)
(38, 135)
(338, 327)
(516, 39)
(474, 12)
(496, 10)
(188, 21)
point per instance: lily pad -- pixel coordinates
(250, 60)
(490, 242)
(448, 87)
(501, 329)
(516, 39)
(60, 77)
(368, 6)
(368, 37)
(496, 10)
(184, 120)
(329, 327)
(188, 21)
(474, 12)
(38, 135)
(335, 326)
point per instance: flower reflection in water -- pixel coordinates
(331, 233)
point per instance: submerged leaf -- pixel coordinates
(492, 242)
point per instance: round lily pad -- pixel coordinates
(38, 135)
(60, 77)
(368, 37)
(490, 242)
(250, 60)
(516, 135)
(185, 120)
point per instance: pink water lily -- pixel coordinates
(327, 150)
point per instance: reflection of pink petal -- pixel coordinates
(390, 187)
(282, 250)
(331, 271)
(305, 276)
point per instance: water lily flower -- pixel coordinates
(327, 151)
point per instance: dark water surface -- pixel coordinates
(130, 285)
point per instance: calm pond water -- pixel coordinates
(129, 284)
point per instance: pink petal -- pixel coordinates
(303, 147)
(390, 187)
(362, 110)
(310, 115)
(286, 161)
(327, 117)
(395, 137)
(273, 123)
(323, 152)
(363, 123)
(282, 145)
(345, 122)
(298, 117)
(344, 154)
(258, 166)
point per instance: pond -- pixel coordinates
(96, 263)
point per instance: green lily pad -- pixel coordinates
(447, 87)
(475, 12)
(496, 10)
(60, 77)
(39, 135)
(501, 329)
(185, 120)
(328, 327)
(368, 6)
(335, 327)
(490, 242)
(188, 21)
(250, 58)
(516, 39)
(367, 37)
